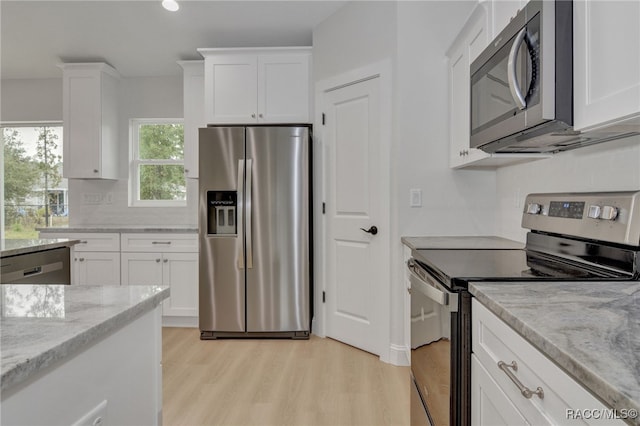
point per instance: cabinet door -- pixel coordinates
(141, 268)
(90, 117)
(606, 39)
(96, 268)
(82, 111)
(283, 88)
(180, 273)
(489, 405)
(502, 11)
(231, 82)
(459, 74)
(193, 86)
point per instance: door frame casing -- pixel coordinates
(383, 71)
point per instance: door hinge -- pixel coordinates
(324, 297)
(324, 208)
(323, 119)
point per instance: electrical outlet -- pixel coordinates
(415, 197)
(91, 198)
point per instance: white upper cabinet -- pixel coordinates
(606, 46)
(501, 12)
(244, 86)
(193, 98)
(471, 41)
(90, 117)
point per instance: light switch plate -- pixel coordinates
(415, 197)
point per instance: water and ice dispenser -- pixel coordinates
(221, 212)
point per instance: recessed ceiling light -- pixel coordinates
(171, 5)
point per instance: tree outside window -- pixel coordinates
(35, 194)
(158, 163)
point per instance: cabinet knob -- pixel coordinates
(186, 171)
(260, 115)
(253, 116)
(165, 260)
(95, 170)
(82, 259)
(157, 260)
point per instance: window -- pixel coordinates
(157, 163)
(35, 193)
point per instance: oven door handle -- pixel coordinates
(426, 288)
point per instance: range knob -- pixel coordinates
(533, 208)
(594, 212)
(609, 213)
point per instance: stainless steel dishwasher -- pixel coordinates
(41, 267)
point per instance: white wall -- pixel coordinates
(152, 97)
(455, 202)
(32, 100)
(361, 33)
(610, 166)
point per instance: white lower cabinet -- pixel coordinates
(95, 260)
(159, 259)
(497, 397)
(96, 268)
(489, 404)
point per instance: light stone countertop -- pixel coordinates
(43, 324)
(24, 246)
(590, 329)
(122, 228)
(461, 242)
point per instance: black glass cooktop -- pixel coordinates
(482, 265)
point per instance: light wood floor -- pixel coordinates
(278, 382)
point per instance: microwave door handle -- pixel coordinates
(517, 95)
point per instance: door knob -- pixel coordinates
(373, 230)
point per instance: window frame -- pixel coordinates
(135, 162)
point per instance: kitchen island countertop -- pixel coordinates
(43, 325)
(590, 329)
(24, 246)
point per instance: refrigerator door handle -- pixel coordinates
(241, 213)
(249, 195)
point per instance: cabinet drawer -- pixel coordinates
(94, 241)
(494, 341)
(156, 243)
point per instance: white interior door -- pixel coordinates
(355, 201)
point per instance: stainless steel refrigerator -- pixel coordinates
(254, 231)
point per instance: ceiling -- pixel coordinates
(140, 38)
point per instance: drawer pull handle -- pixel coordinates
(161, 242)
(525, 391)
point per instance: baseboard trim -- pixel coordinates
(398, 355)
(187, 322)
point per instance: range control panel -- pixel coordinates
(604, 216)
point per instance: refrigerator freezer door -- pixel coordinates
(278, 233)
(222, 289)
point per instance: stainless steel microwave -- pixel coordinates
(522, 83)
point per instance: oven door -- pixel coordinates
(433, 307)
